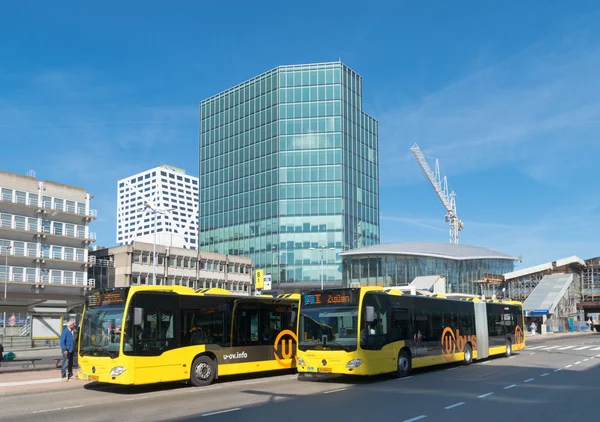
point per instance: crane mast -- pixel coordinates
(440, 185)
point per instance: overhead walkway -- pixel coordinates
(546, 296)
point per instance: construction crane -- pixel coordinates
(441, 188)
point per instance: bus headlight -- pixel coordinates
(116, 371)
(300, 361)
(354, 363)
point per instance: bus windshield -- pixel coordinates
(335, 327)
(100, 333)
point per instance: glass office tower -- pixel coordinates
(289, 173)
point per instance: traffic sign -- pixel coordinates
(259, 279)
(267, 282)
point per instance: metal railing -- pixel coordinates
(92, 236)
(93, 213)
(55, 279)
(17, 199)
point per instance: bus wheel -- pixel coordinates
(203, 371)
(508, 349)
(468, 355)
(404, 364)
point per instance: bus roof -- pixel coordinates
(402, 291)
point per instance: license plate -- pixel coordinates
(93, 377)
(324, 369)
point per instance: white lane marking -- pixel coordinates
(15, 383)
(582, 348)
(72, 407)
(137, 398)
(415, 419)
(536, 347)
(510, 386)
(532, 353)
(529, 380)
(47, 410)
(568, 366)
(405, 378)
(513, 356)
(545, 374)
(484, 362)
(452, 406)
(567, 347)
(222, 411)
(596, 348)
(558, 369)
(551, 347)
(484, 395)
(585, 360)
(451, 369)
(334, 391)
(577, 363)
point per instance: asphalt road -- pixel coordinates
(552, 380)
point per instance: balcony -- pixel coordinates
(20, 200)
(70, 209)
(68, 279)
(29, 252)
(72, 233)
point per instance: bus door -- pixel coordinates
(379, 351)
(155, 337)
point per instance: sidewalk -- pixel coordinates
(557, 336)
(35, 381)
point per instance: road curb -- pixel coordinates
(71, 385)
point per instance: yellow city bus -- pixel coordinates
(375, 330)
(151, 334)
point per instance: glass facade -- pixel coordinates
(399, 270)
(289, 172)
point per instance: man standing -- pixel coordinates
(67, 346)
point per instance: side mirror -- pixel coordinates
(138, 316)
(370, 313)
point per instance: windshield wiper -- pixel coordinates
(346, 348)
(96, 350)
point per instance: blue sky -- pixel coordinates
(505, 94)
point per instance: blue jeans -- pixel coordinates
(67, 365)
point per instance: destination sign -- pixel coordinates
(330, 297)
(107, 298)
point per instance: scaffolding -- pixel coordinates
(590, 280)
(493, 285)
(520, 283)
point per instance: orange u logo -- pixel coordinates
(286, 352)
(448, 344)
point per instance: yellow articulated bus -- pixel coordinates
(375, 330)
(151, 334)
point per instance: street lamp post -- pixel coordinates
(321, 248)
(6, 249)
(155, 211)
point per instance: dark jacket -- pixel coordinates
(67, 341)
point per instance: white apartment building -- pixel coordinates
(161, 201)
(44, 235)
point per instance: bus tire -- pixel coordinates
(468, 359)
(404, 364)
(203, 371)
(508, 352)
